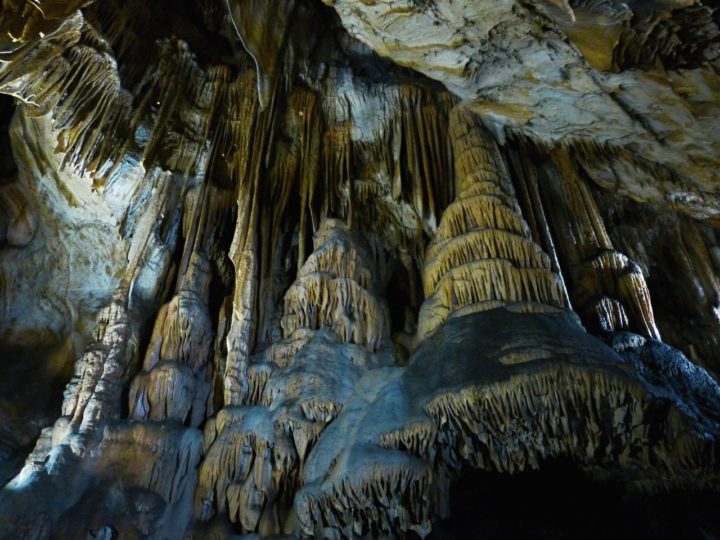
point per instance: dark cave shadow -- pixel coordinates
(8, 168)
(561, 502)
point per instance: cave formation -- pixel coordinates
(359, 269)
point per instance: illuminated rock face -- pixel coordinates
(287, 268)
(483, 255)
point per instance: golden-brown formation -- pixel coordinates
(482, 255)
(334, 289)
(609, 290)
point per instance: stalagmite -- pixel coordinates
(254, 452)
(490, 387)
(482, 255)
(174, 383)
(334, 289)
(92, 395)
(505, 399)
(685, 309)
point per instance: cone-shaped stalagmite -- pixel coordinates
(482, 255)
(494, 386)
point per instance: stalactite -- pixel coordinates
(351, 508)
(502, 399)
(246, 467)
(263, 27)
(125, 25)
(71, 72)
(310, 167)
(296, 164)
(254, 144)
(526, 176)
(597, 270)
(424, 156)
(337, 167)
(685, 286)
(267, 365)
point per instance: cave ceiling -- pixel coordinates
(298, 267)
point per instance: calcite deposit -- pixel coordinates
(353, 269)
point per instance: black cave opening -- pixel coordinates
(560, 501)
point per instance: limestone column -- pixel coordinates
(483, 255)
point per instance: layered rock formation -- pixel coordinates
(297, 268)
(482, 255)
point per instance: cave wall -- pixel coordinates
(290, 268)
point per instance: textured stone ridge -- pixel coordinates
(466, 397)
(296, 269)
(333, 325)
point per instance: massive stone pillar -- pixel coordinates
(483, 255)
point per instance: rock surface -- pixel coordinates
(294, 269)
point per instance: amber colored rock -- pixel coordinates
(482, 256)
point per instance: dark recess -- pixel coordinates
(8, 168)
(560, 502)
